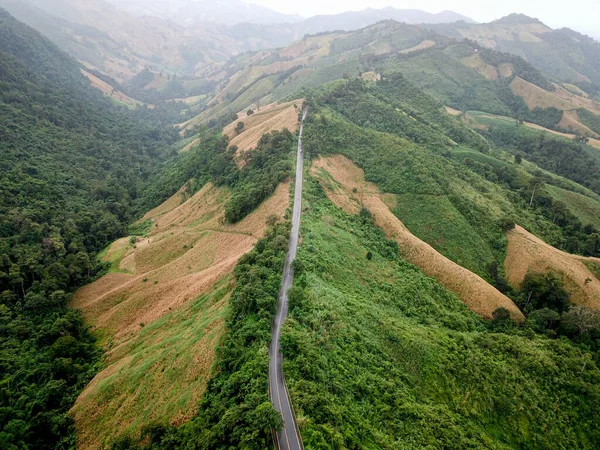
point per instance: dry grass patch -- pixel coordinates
(527, 253)
(107, 89)
(570, 120)
(370, 76)
(452, 111)
(575, 90)
(536, 97)
(156, 377)
(345, 185)
(157, 324)
(506, 70)
(425, 44)
(191, 145)
(477, 63)
(581, 102)
(168, 205)
(489, 34)
(274, 117)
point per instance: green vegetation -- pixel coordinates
(159, 353)
(448, 197)
(212, 160)
(544, 291)
(563, 157)
(594, 267)
(449, 81)
(72, 169)
(584, 208)
(379, 356)
(589, 119)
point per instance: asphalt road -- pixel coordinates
(289, 438)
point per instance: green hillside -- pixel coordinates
(73, 167)
(379, 356)
(561, 54)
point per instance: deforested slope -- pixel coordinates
(527, 253)
(274, 117)
(161, 316)
(163, 307)
(350, 191)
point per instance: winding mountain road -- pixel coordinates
(289, 437)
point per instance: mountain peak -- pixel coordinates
(517, 19)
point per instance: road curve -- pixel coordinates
(289, 438)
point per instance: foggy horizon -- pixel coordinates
(550, 13)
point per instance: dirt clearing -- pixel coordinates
(536, 97)
(345, 185)
(477, 63)
(107, 89)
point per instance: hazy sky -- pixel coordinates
(582, 15)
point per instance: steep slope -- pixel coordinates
(164, 306)
(274, 117)
(464, 75)
(527, 253)
(345, 185)
(122, 45)
(110, 91)
(377, 355)
(562, 54)
(162, 313)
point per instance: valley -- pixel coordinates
(189, 259)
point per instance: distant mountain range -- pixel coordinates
(355, 20)
(192, 12)
(195, 38)
(123, 37)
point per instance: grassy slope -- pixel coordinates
(379, 356)
(449, 81)
(433, 191)
(162, 376)
(583, 203)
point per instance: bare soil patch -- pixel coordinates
(477, 63)
(273, 117)
(107, 89)
(536, 97)
(168, 205)
(425, 44)
(570, 120)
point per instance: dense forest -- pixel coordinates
(73, 167)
